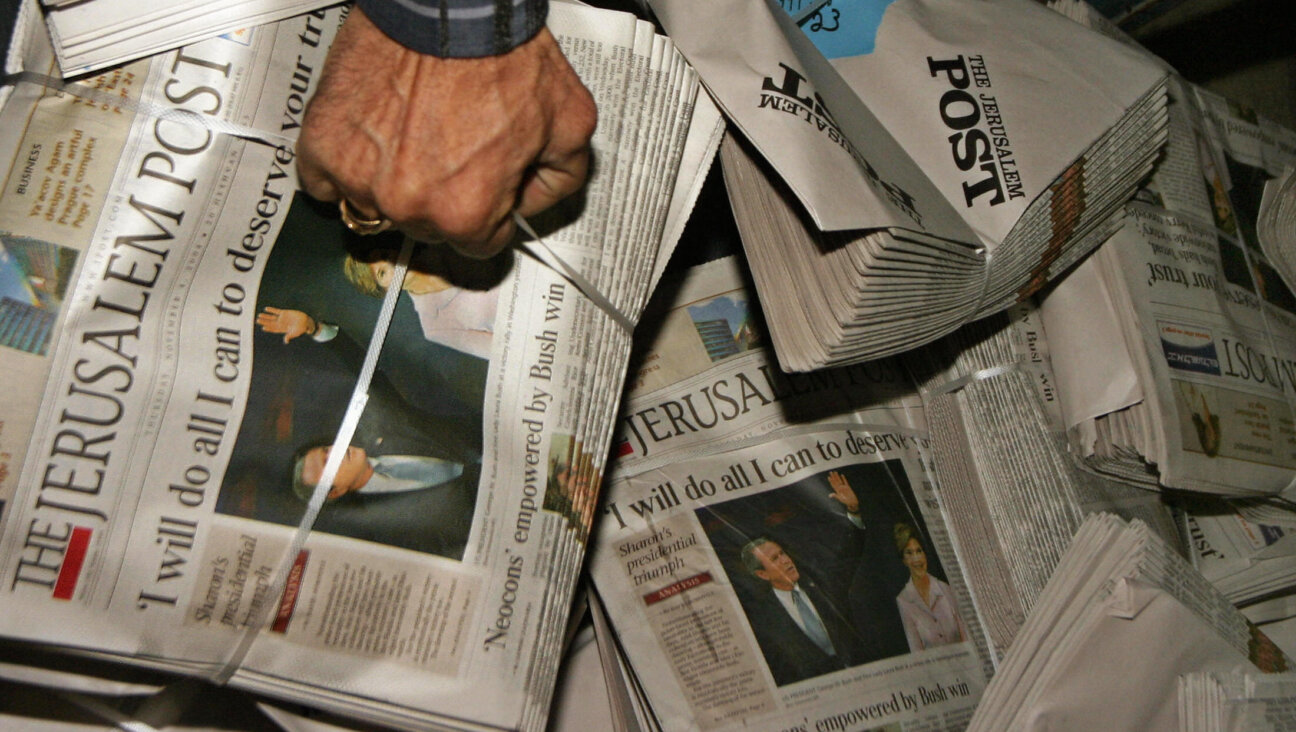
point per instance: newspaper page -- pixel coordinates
(771, 83)
(183, 336)
(738, 484)
(1013, 495)
(1208, 327)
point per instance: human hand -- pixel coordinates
(291, 323)
(842, 492)
(446, 148)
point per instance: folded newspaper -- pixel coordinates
(1248, 562)
(772, 552)
(90, 35)
(1013, 495)
(184, 333)
(1123, 617)
(907, 166)
(1276, 224)
(1240, 699)
(1196, 389)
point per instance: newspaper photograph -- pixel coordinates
(772, 545)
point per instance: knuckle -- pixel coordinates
(585, 114)
(469, 223)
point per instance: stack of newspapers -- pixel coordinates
(908, 169)
(90, 35)
(1197, 326)
(192, 347)
(773, 551)
(1237, 699)
(1013, 495)
(1249, 562)
(1122, 618)
(1188, 305)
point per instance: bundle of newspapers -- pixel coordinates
(46, 690)
(1249, 562)
(1197, 327)
(1238, 699)
(1013, 495)
(89, 35)
(1122, 618)
(772, 551)
(192, 347)
(906, 167)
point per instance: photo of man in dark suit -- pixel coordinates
(827, 537)
(412, 501)
(802, 630)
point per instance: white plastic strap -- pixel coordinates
(537, 248)
(959, 383)
(986, 257)
(119, 719)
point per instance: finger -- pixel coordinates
(323, 185)
(271, 310)
(363, 207)
(493, 244)
(314, 180)
(479, 235)
(551, 182)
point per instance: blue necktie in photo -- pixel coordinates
(813, 626)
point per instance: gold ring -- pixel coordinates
(362, 226)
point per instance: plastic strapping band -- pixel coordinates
(359, 397)
(537, 248)
(979, 375)
(181, 116)
(986, 256)
(118, 719)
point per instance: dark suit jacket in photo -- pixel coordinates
(789, 652)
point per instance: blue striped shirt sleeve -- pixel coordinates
(457, 28)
